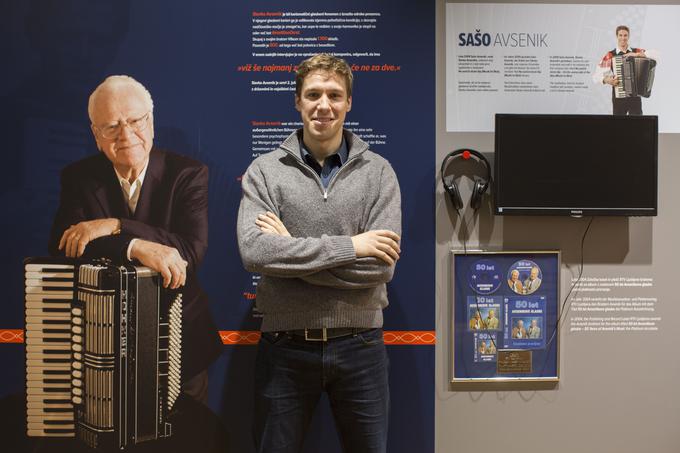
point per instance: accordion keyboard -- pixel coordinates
(49, 332)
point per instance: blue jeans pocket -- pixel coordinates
(371, 337)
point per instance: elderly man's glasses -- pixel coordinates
(113, 130)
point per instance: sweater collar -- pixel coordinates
(341, 153)
(355, 145)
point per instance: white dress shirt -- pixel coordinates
(131, 193)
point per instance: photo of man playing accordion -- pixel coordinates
(630, 72)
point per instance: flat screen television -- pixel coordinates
(575, 165)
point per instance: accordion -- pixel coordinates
(635, 74)
(103, 352)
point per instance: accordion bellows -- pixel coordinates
(103, 352)
(636, 75)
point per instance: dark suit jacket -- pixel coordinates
(172, 210)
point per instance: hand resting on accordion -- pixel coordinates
(163, 259)
(76, 237)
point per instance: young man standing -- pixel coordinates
(320, 219)
(605, 73)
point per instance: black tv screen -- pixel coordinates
(575, 165)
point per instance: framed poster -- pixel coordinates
(505, 317)
(552, 58)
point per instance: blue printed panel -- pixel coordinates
(485, 312)
(520, 314)
(525, 322)
(194, 59)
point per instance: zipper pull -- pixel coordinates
(325, 195)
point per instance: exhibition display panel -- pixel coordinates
(505, 316)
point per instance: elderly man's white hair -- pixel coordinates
(112, 83)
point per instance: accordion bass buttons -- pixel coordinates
(175, 350)
(77, 387)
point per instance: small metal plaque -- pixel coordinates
(513, 361)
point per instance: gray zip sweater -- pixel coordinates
(314, 279)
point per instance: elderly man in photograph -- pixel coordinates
(491, 321)
(134, 202)
(519, 331)
(532, 282)
(534, 331)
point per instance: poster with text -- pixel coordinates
(555, 59)
(222, 78)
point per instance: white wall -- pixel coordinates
(618, 391)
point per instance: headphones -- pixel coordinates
(481, 184)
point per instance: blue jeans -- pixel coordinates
(291, 374)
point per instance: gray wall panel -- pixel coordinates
(618, 391)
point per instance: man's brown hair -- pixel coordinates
(622, 27)
(323, 62)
